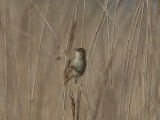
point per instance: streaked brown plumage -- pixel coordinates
(79, 62)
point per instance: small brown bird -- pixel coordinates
(79, 62)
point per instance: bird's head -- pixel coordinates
(80, 52)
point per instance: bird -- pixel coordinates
(79, 62)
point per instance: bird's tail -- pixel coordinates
(76, 79)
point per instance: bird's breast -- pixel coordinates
(80, 65)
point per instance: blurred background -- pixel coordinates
(121, 38)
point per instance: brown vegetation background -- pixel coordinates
(121, 38)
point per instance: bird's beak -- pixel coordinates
(75, 49)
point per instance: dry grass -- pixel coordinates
(121, 81)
